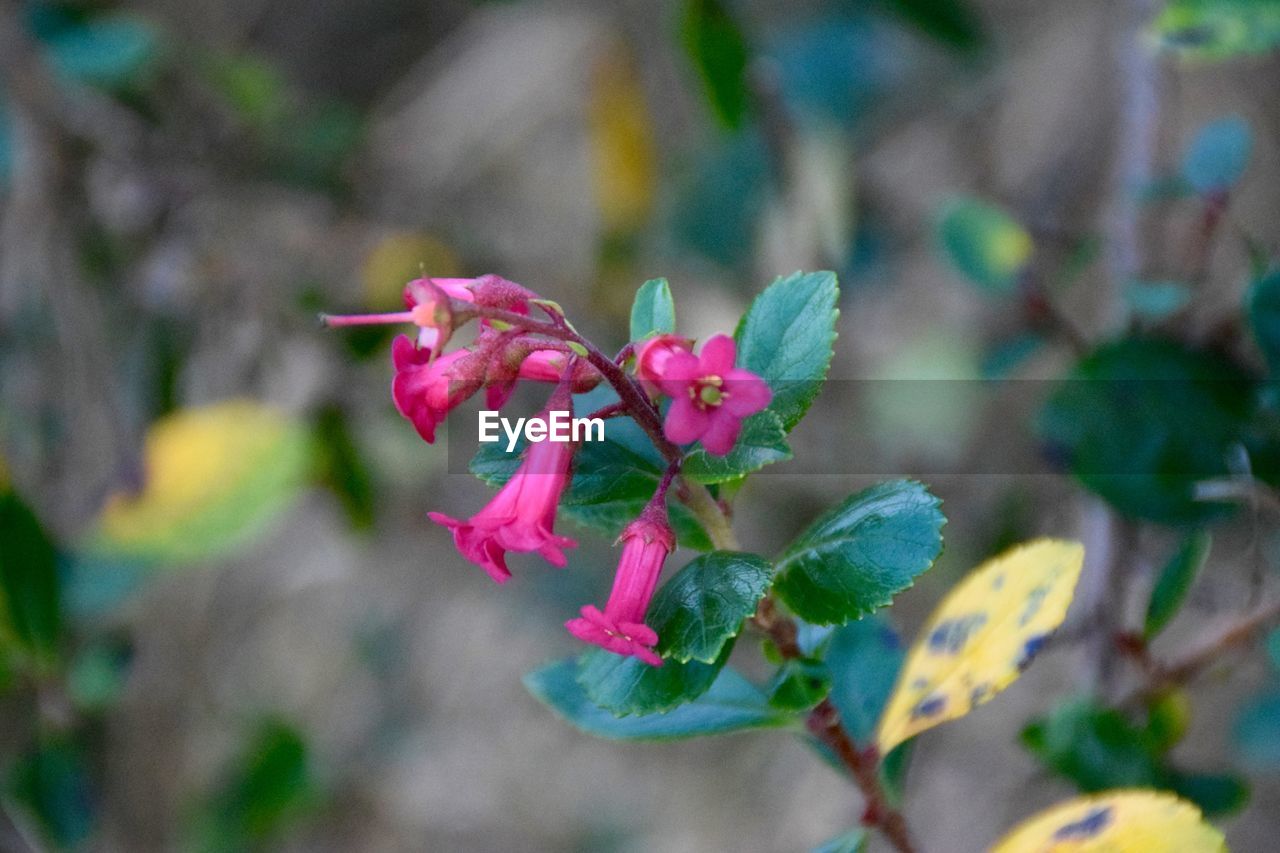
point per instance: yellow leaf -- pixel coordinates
(622, 144)
(982, 636)
(214, 475)
(1135, 820)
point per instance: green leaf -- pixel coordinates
(951, 22)
(863, 658)
(1175, 581)
(855, 558)
(343, 468)
(28, 580)
(654, 311)
(1218, 155)
(1141, 420)
(1099, 749)
(1219, 29)
(1215, 793)
(799, 684)
(762, 442)
(984, 244)
(52, 782)
(268, 790)
(702, 608)
(853, 841)
(1264, 316)
(628, 685)
(786, 337)
(718, 50)
(1096, 748)
(1156, 300)
(730, 704)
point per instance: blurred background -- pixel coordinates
(256, 638)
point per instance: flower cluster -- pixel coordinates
(710, 398)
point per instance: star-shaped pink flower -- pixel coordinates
(709, 396)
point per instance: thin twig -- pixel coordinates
(1244, 631)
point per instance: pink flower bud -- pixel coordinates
(521, 516)
(620, 628)
(652, 356)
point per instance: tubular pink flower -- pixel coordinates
(652, 356)
(521, 516)
(425, 390)
(620, 628)
(709, 396)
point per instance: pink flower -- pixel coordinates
(652, 356)
(521, 516)
(425, 390)
(646, 542)
(709, 396)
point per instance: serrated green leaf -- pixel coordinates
(864, 658)
(762, 442)
(29, 587)
(983, 243)
(702, 608)
(1218, 155)
(799, 684)
(730, 704)
(1175, 581)
(786, 337)
(654, 311)
(628, 685)
(716, 46)
(1264, 317)
(854, 559)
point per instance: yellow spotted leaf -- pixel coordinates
(214, 476)
(1134, 820)
(623, 152)
(982, 636)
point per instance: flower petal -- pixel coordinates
(718, 355)
(685, 422)
(745, 393)
(722, 432)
